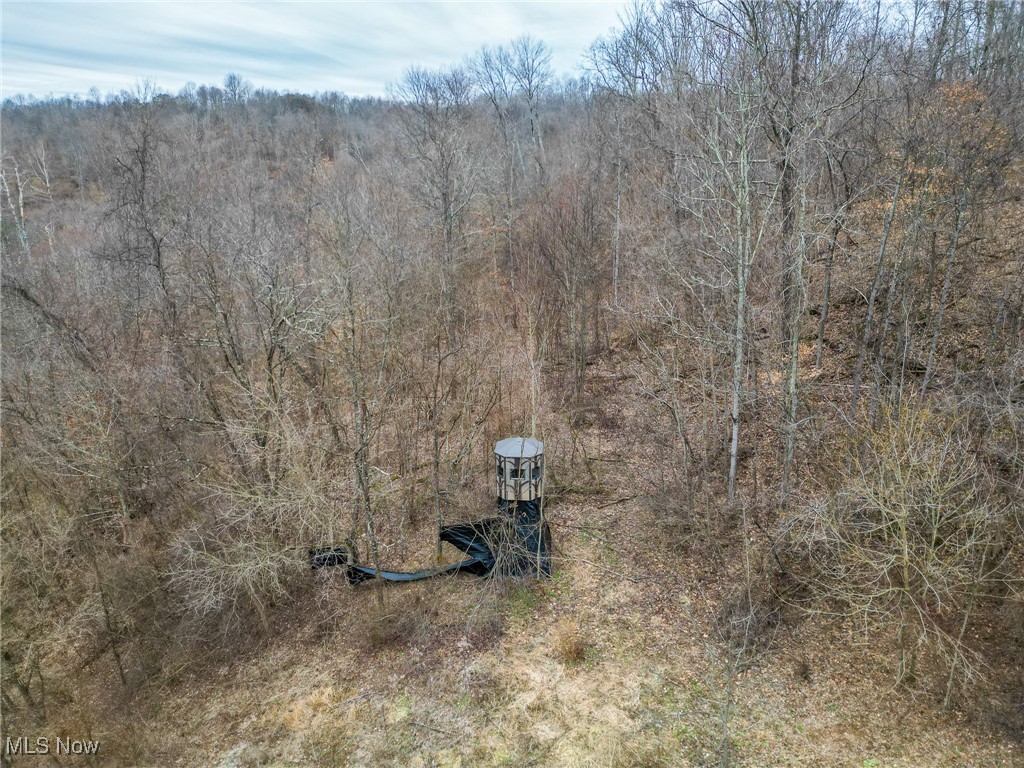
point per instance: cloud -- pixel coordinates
(65, 48)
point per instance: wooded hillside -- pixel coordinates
(756, 280)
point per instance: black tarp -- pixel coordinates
(514, 544)
(531, 550)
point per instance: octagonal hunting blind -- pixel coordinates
(519, 462)
(519, 470)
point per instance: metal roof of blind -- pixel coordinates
(519, 447)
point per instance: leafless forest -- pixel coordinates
(755, 278)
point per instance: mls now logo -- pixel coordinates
(41, 746)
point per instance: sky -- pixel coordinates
(65, 48)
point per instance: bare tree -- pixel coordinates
(434, 116)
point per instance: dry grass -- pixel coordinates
(570, 644)
(394, 622)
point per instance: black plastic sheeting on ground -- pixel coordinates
(530, 547)
(532, 550)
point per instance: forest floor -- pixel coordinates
(615, 661)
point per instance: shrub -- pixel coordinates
(229, 578)
(570, 644)
(904, 536)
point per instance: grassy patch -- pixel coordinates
(328, 746)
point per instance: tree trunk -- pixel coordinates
(944, 297)
(858, 372)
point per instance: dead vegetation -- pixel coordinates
(764, 309)
(570, 644)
